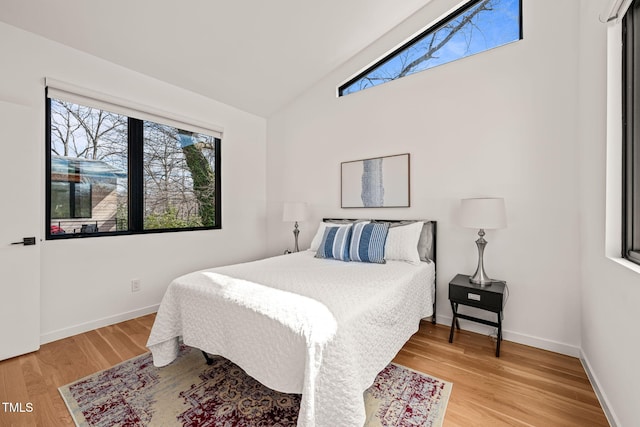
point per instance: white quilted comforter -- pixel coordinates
(298, 324)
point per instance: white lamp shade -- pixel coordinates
(485, 213)
(294, 211)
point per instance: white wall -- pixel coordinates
(86, 282)
(610, 290)
(501, 123)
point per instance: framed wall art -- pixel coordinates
(380, 182)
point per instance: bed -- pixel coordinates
(320, 327)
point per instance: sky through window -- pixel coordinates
(478, 26)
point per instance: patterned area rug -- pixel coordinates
(190, 393)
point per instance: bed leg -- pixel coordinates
(433, 318)
(207, 358)
(435, 299)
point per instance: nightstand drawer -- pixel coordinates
(475, 297)
(461, 291)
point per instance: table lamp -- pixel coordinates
(482, 214)
(294, 211)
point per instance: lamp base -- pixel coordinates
(295, 237)
(482, 281)
(480, 277)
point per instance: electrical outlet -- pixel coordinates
(135, 285)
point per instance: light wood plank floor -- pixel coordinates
(524, 387)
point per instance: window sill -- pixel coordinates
(626, 263)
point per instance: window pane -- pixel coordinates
(82, 200)
(88, 169)
(631, 140)
(485, 25)
(179, 178)
(60, 200)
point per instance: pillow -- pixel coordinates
(335, 243)
(367, 242)
(402, 243)
(317, 239)
(425, 244)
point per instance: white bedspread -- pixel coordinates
(298, 324)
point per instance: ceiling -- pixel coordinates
(254, 55)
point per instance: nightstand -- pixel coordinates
(490, 298)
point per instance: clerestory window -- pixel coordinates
(477, 26)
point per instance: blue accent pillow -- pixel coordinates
(335, 243)
(367, 242)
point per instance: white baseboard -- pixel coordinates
(95, 324)
(602, 398)
(545, 344)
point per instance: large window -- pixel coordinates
(111, 173)
(631, 134)
(477, 26)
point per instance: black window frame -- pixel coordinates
(433, 28)
(135, 141)
(631, 134)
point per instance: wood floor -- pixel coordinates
(524, 387)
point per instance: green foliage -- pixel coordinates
(122, 217)
(203, 183)
(170, 219)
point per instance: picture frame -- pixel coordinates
(378, 182)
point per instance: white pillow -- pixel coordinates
(402, 243)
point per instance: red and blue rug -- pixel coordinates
(190, 393)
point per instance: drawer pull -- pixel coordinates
(473, 297)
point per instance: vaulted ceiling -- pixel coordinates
(254, 55)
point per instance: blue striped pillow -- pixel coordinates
(367, 242)
(335, 243)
